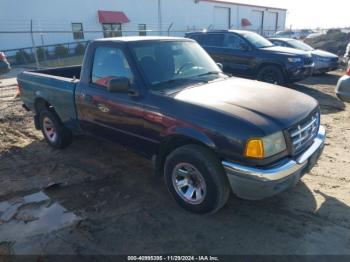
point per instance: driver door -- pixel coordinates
(238, 58)
(115, 116)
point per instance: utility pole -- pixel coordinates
(160, 17)
(33, 45)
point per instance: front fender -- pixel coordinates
(265, 62)
(191, 133)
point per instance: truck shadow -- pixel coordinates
(325, 79)
(119, 208)
(329, 103)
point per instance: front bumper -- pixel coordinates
(300, 73)
(324, 67)
(258, 183)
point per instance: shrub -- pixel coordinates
(80, 49)
(61, 51)
(41, 53)
(22, 57)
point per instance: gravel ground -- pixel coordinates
(99, 198)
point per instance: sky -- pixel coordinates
(310, 13)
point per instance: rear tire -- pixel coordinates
(196, 179)
(55, 133)
(271, 74)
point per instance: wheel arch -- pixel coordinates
(40, 104)
(176, 140)
(271, 63)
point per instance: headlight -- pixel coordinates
(266, 146)
(294, 59)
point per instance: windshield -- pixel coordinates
(256, 40)
(167, 64)
(300, 45)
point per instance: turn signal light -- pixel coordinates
(255, 148)
(18, 90)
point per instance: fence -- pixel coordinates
(61, 48)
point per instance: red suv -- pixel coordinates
(4, 64)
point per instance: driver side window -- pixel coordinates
(279, 43)
(109, 62)
(233, 41)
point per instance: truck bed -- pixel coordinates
(55, 86)
(72, 72)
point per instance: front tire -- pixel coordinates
(271, 74)
(55, 133)
(196, 179)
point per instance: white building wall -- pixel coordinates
(58, 16)
(188, 15)
(185, 15)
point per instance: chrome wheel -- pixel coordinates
(49, 130)
(189, 183)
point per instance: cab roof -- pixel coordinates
(141, 38)
(220, 31)
(283, 39)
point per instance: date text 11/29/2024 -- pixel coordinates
(173, 258)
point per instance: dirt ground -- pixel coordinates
(99, 198)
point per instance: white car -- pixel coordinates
(297, 34)
(324, 61)
(343, 87)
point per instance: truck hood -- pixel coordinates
(284, 51)
(269, 107)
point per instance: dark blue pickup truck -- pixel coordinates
(165, 98)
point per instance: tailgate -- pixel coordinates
(59, 92)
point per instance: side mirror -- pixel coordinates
(118, 84)
(220, 66)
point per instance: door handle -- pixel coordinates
(133, 93)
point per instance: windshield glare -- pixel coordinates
(300, 45)
(256, 40)
(173, 62)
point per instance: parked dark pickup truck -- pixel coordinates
(167, 99)
(247, 54)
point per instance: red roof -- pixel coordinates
(245, 22)
(112, 17)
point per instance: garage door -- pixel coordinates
(257, 21)
(221, 18)
(270, 23)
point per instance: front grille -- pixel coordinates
(303, 134)
(308, 61)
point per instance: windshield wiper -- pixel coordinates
(176, 81)
(266, 46)
(209, 73)
(173, 81)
